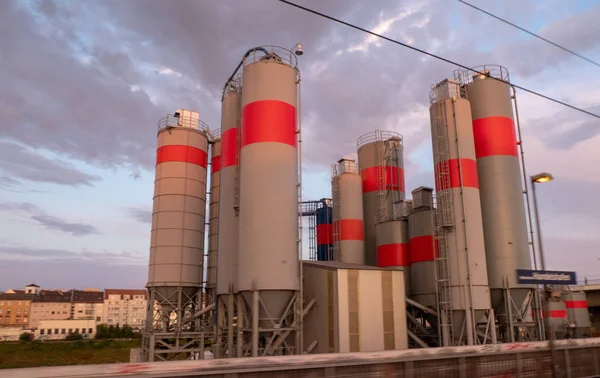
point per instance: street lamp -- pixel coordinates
(539, 179)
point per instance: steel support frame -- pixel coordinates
(168, 334)
(226, 338)
(281, 337)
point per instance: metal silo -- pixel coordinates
(348, 228)
(227, 238)
(502, 205)
(382, 172)
(324, 232)
(578, 313)
(268, 270)
(421, 239)
(463, 290)
(213, 219)
(392, 247)
(177, 236)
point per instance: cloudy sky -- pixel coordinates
(83, 84)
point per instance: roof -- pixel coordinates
(108, 292)
(79, 296)
(32, 285)
(52, 296)
(341, 265)
(16, 297)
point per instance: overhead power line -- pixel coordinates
(433, 55)
(531, 33)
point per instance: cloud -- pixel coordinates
(567, 128)
(47, 221)
(142, 215)
(123, 257)
(22, 162)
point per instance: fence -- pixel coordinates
(574, 358)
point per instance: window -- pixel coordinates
(56, 331)
(70, 331)
(49, 331)
(62, 331)
(90, 330)
(18, 321)
(25, 319)
(42, 331)
(52, 312)
(9, 303)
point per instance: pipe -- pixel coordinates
(199, 313)
(255, 315)
(240, 64)
(420, 306)
(300, 336)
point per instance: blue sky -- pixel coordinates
(87, 82)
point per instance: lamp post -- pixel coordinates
(539, 179)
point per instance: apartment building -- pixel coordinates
(87, 304)
(123, 306)
(50, 305)
(15, 308)
(59, 329)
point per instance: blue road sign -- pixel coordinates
(546, 277)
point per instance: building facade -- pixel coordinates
(60, 329)
(15, 308)
(122, 306)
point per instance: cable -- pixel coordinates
(433, 56)
(531, 33)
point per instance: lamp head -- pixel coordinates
(542, 177)
(298, 49)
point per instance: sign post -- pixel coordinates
(546, 277)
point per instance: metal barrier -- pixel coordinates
(575, 358)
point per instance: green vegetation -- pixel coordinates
(75, 336)
(26, 337)
(57, 353)
(112, 332)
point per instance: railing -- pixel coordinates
(271, 53)
(346, 166)
(488, 70)
(189, 122)
(574, 359)
(446, 89)
(376, 136)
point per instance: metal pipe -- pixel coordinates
(255, 312)
(230, 315)
(240, 64)
(300, 336)
(420, 306)
(241, 313)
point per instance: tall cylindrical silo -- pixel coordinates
(348, 228)
(578, 313)
(213, 210)
(502, 205)
(382, 171)
(459, 221)
(324, 233)
(392, 247)
(423, 248)
(177, 236)
(268, 225)
(227, 255)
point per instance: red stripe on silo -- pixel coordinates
(494, 136)
(394, 178)
(324, 234)
(269, 121)
(215, 164)
(350, 229)
(392, 255)
(185, 154)
(422, 248)
(555, 314)
(469, 174)
(576, 304)
(229, 148)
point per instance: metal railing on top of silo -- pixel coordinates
(189, 122)
(494, 71)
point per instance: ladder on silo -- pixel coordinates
(380, 177)
(443, 223)
(238, 153)
(337, 232)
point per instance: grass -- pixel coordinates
(60, 353)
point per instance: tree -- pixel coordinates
(26, 337)
(74, 336)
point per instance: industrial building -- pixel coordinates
(384, 272)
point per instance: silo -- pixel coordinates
(382, 172)
(578, 313)
(213, 226)
(556, 311)
(392, 247)
(324, 233)
(227, 256)
(459, 222)
(228, 221)
(422, 246)
(502, 205)
(348, 228)
(177, 236)
(268, 270)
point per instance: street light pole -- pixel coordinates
(541, 178)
